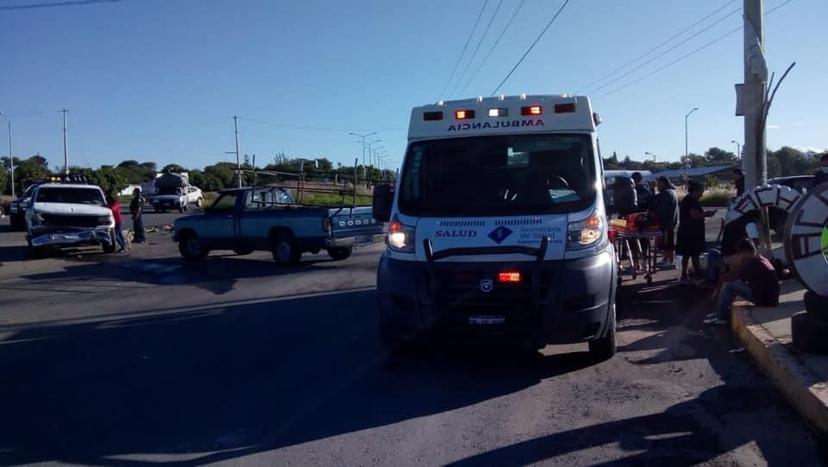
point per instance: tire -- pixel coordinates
(808, 334)
(199, 202)
(191, 248)
(17, 222)
(604, 347)
(2, 213)
(242, 251)
(112, 243)
(340, 253)
(816, 306)
(396, 342)
(284, 249)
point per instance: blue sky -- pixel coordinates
(161, 79)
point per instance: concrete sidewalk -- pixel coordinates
(801, 377)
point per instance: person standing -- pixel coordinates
(691, 241)
(665, 207)
(136, 208)
(624, 197)
(739, 181)
(115, 206)
(642, 191)
(822, 174)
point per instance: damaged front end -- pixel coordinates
(70, 230)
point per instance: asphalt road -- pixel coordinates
(137, 358)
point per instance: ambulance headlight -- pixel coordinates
(401, 237)
(584, 233)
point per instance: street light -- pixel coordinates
(371, 154)
(363, 142)
(738, 149)
(686, 137)
(652, 155)
(11, 158)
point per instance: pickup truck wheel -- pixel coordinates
(340, 253)
(199, 202)
(285, 251)
(604, 348)
(191, 248)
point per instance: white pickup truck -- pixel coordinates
(60, 215)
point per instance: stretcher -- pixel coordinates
(636, 235)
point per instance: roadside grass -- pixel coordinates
(330, 199)
(717, 197)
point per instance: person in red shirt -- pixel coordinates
(754, 279)
(115, 206)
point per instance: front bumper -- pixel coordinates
(557, 302)
(349, 242)
(72, 236)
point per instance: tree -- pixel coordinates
(790, 162)
(205, 181)
(173, 168)
(223, 171)
(128, 163)
(718, 156)
(5, 187)
(109, 179)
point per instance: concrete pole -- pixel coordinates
(754, 159)
(65, 147)
(238, 161)
(11, 158)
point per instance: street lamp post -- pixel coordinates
(738, 149)
(651, 155)
(686, 133)
(11, 158)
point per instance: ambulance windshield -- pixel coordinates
(498, 175)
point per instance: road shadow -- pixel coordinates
(208, 384)
(217, 274)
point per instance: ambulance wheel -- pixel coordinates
(604, 347)
(809, 334)
(816, 306)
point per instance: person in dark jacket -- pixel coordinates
(754, 280)
(136, 208)
(624, 197)
(691, 241)
(665, 208)
(642, 191)
(739, 181)
(822, 175)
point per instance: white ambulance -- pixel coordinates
(498, 225)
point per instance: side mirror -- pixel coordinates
(383, 200)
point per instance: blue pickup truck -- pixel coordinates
(268, 218)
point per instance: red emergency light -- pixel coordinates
(511, 277)
(531, 110)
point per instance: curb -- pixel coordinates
(807, 395)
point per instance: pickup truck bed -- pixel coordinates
(245, 220)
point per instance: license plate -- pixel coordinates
(487, 320)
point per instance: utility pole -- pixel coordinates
(738, 149)
(754, 160)
(65, 147)
(238, 161)
(11, 158)
(362, 137)
(686, 134)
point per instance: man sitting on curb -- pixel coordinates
(754, 279)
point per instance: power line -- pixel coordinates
(465, 47)
(494, 45)
(691, 53)
(666, 51)
(477, 47)
(312, 128)
(551, 21)
(56, 4)
(679, 34)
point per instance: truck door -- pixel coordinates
(219, 221)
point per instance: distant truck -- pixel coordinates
(173, 191)
(268, 218)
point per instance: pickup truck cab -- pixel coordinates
(60, 215)
(268, 218)
(498, 225)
